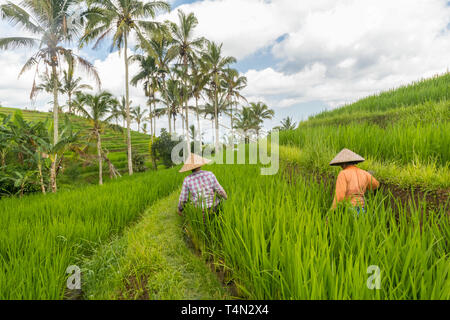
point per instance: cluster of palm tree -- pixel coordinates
(287, 124)
(181, 74)
(251, 119)
(53, 25)
(186, 75)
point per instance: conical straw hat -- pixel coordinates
(346, 156)
(193, 162)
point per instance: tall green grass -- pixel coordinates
(407, 146)
(42, 235)
(280, 241)
(435, 89)
(400, 142)
(429, 112)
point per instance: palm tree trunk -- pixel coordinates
(150, 115)
(41, 178)
(212, 129)
(70, 103)
(168, 107)
(188, 139)
(154, 119)
(151, 124)
(199, 130)
(174, 124)
(100, 159)
(182, 123)
(127, 89)
(55, 128)
(216, 113)
(53, 184)
(232, 124)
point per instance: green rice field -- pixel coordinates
(275, 237)
(278, 239)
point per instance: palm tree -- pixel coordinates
(233, 83)
(158, 44)
(261, 112)
(246, 121)
(198, 83)
(53, 24)
(147, 74)
(186, 47)
(116, 113)
(123, 110)
(173, 100)
(138, 115)
(96, 108)
(214, 65)
(72, 85)
(145, 128)
(47, 83)
(120, 17)
(287, 124)
(223, 107)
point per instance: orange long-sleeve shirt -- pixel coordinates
(352, 183)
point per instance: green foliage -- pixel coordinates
(401, 142)
(112, 140)
(405, 144)
(151, 261)
(43, 235)
(23, 149)
(162, 148)
(138, 162)
(279, 241)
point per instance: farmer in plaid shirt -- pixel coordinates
(202, 186)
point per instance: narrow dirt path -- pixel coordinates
(152, 261)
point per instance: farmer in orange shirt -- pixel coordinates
(352, 182)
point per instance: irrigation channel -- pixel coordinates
(276, 239)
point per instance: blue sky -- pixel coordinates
(300, 57)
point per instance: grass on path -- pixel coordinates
(151, 261)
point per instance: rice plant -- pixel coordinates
(43, 235)
(280, 241)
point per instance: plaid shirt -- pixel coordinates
(202, 186)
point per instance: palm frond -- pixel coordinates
(17, 42)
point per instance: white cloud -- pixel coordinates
(331, 51)
(271, 82)
(244, 26)
(363, 46)
(14, 91)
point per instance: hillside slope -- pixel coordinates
(403, 134)
(113, 141)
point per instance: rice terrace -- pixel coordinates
(119, 149)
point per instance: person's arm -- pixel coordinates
(218, 188)
(373, 183)
(341, 190)
(184, 197)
